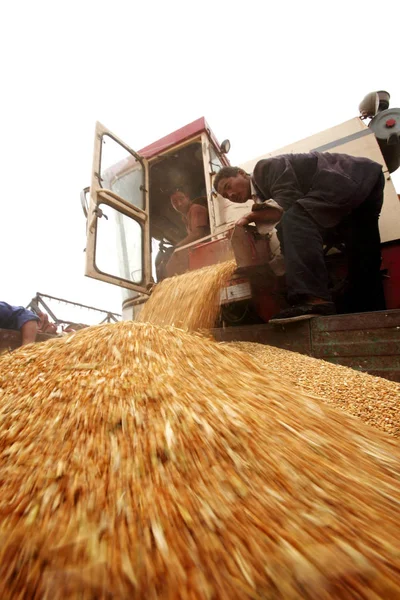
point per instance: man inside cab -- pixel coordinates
(310, 196)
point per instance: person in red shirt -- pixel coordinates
(193, 215)
(195, 218)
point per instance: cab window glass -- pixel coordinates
(215, 162)
(121, 173)
(119, 245)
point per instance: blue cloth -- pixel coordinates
(13, 317)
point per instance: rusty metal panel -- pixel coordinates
(372, 342)
(380, 366)
(296, 337)
(367, 341)
(210, 253)
(369, 320)
(11, 339)
(197, 256)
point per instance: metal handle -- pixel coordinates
(84, 201)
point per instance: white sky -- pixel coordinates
(263, 74)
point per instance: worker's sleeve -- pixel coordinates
(198, 217)
(265, 204)
(277, 180)
(14, 317)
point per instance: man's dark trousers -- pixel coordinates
(302, 239)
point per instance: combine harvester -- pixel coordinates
(131, 226)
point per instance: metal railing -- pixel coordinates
(39, 305)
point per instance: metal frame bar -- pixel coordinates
(37, 302)
(99, 195)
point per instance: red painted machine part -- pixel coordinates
(210, 253)
(268, 301)
(391, 283)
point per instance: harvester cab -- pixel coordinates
(132, 229)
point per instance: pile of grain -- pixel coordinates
(190, 301)
(373, 399)
(142, 462)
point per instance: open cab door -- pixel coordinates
(118, 231)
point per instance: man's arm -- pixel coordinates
(27, 322)
(276, 178)
(28, 332)
(21, 319)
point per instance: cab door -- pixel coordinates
(118, 230)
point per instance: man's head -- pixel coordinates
(180, 200)
(234, 184)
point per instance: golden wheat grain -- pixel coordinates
(373, 399)
(189, 301)
(146, 462)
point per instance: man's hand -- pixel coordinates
(244, 221)
(257, 207)
(262, 214)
